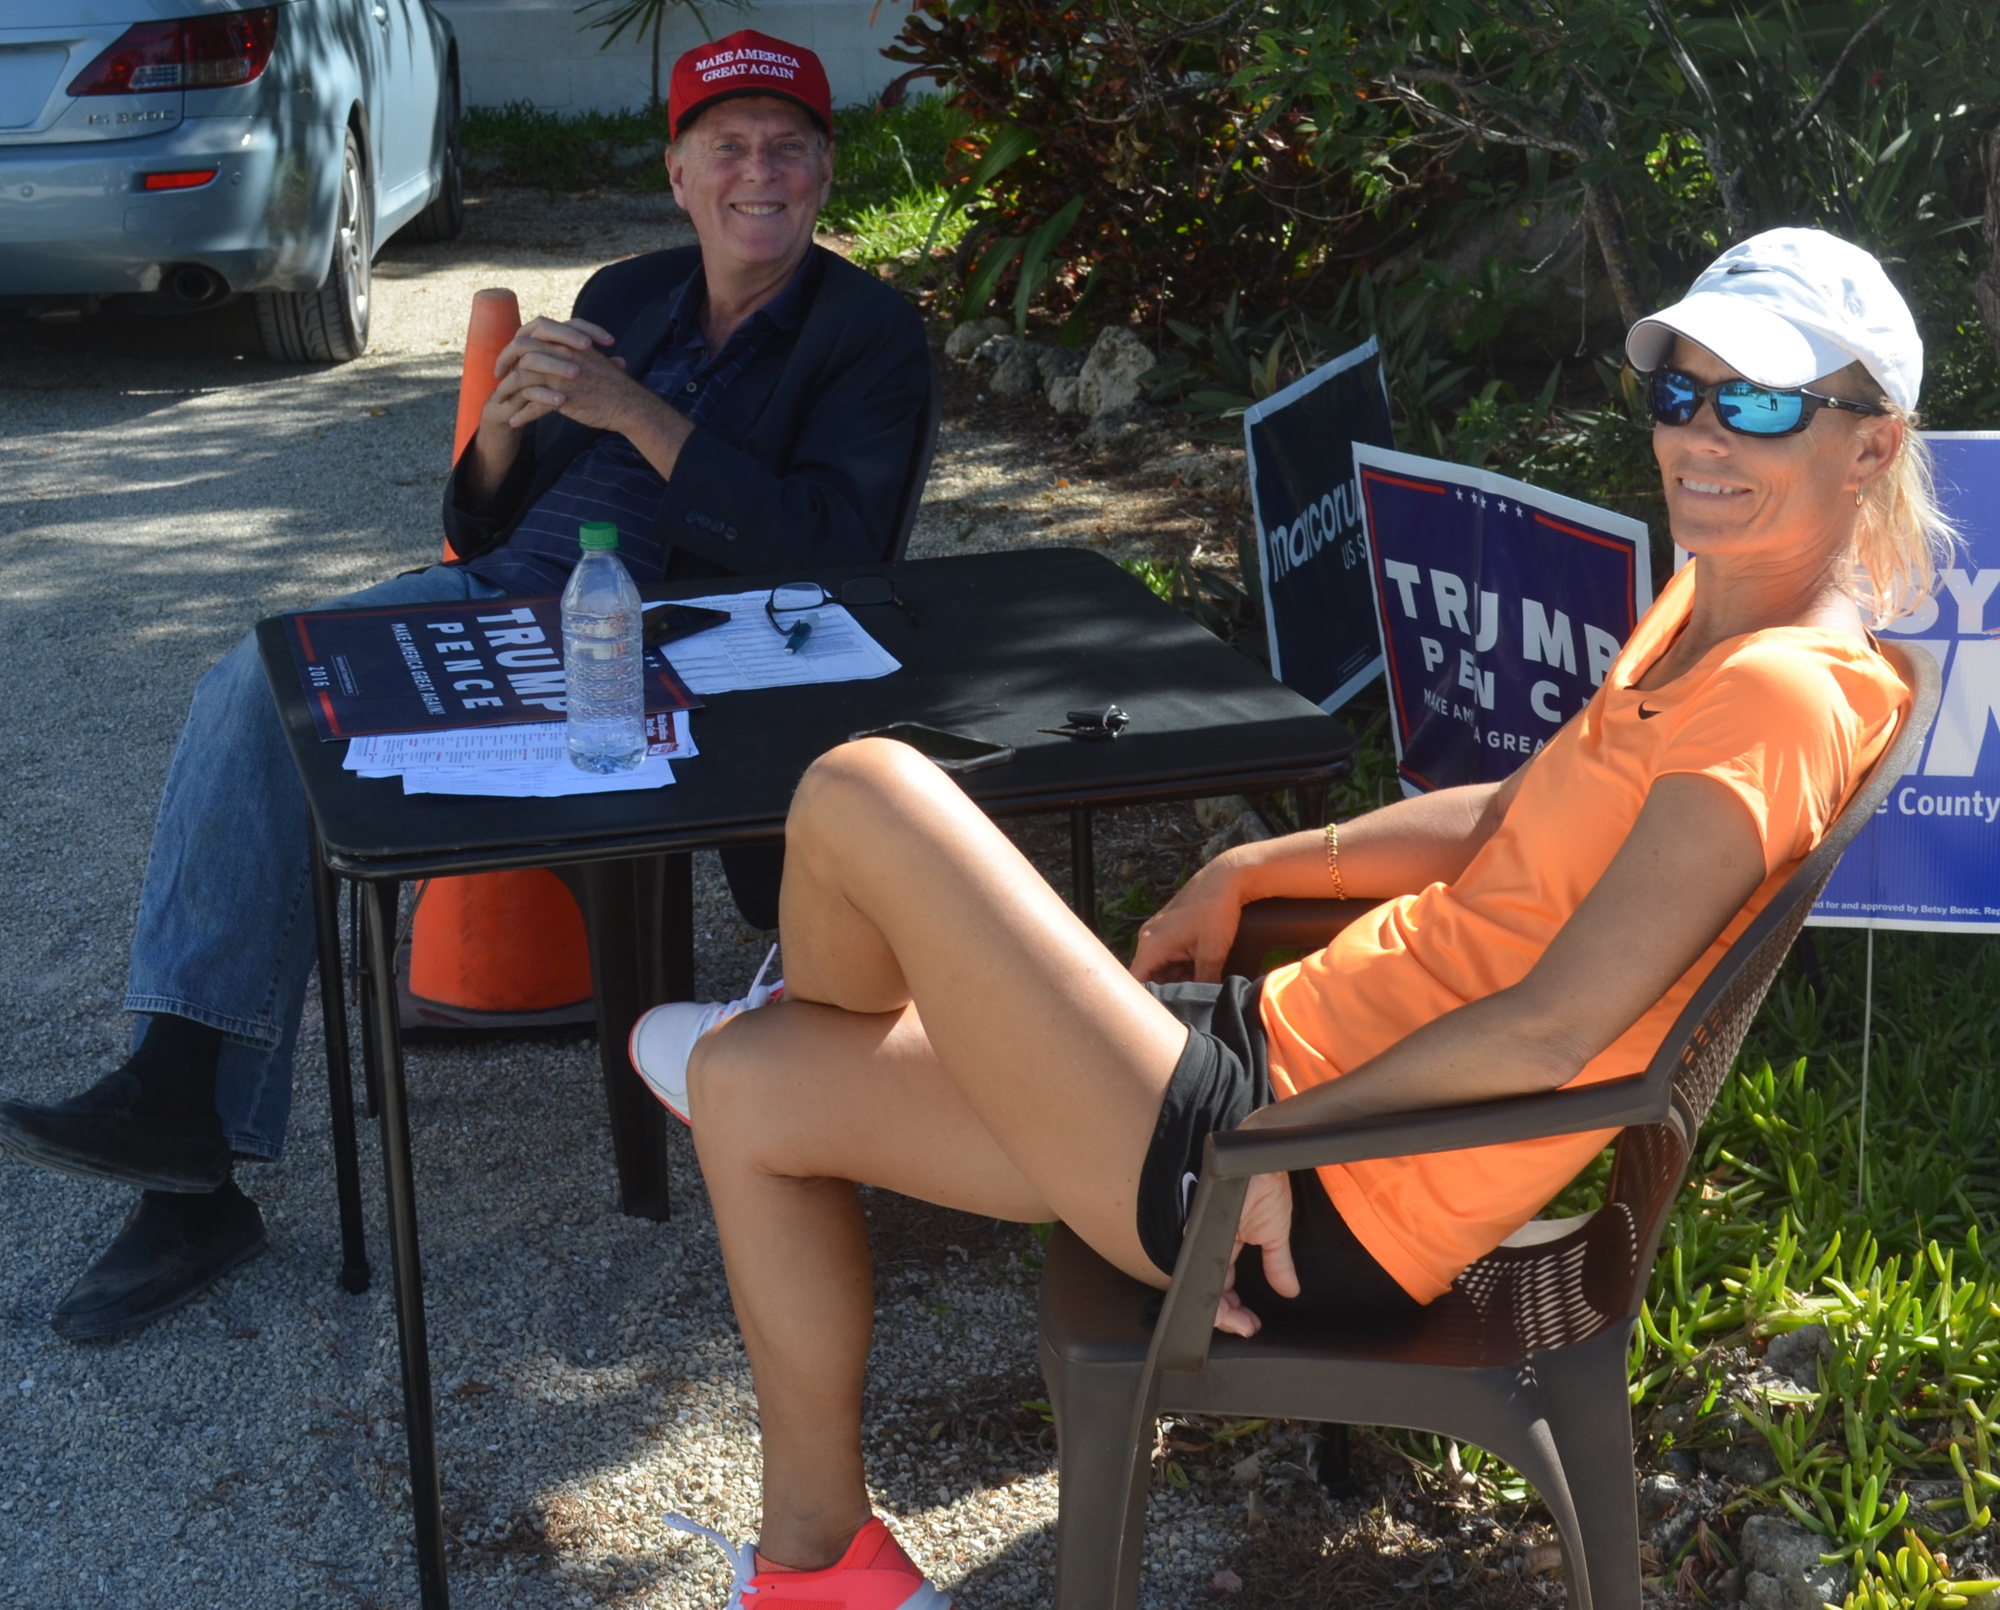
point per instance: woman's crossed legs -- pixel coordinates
(950, 1031)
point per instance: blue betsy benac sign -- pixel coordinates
(1931, 857)
(1501, 609)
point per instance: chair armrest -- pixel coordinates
(1187, 1318)
(1294, 924)
(1610, 1104)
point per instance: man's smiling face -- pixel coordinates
(753, 174)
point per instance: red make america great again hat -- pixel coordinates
(747, 63)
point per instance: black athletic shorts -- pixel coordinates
(1223, 1076)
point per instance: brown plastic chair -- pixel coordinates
(1526, 1354)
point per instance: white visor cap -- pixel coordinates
(1785, 308)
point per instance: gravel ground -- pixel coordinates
(161, 487)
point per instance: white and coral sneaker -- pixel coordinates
(664, 1038)
(874, 1574)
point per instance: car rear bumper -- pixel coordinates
(77, 220)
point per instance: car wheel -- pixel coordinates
(329, 325)
(444, 218)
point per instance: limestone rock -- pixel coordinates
(1061, 393)
(1058, 362)
(1220, 811)
(1657, 1496)
(1109, 380)
(1796, 1354)
(1782, 1569)
(1209, 470)
(1018, 373)
(970, 336)
(1246, 828)
(1120, 431)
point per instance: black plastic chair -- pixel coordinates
(1526, 1354)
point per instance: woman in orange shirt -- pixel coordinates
(951, 1031)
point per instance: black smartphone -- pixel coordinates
(953, 751)
(669, 623)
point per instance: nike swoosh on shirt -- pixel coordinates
(1188, 1183)
(1647, 715)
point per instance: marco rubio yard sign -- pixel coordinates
(1501, 608)
(1312, 560)
(1931, 857)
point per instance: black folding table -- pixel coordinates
(1002, 645)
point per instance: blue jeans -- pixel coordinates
(225, 933)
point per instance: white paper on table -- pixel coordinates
(748, 653)
(535, 743)
(553, 780)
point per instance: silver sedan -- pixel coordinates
(175, 153)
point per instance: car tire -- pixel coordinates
(328, 325)
(444, 218)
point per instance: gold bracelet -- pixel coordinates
(1333, 860)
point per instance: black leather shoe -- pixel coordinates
(171, 1250)
(99, 1135)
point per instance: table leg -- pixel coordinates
(639, 914)
(1083, 866)
(384, 1027)
(354, 1272)
(371, 1085)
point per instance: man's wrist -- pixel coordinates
(659, 430)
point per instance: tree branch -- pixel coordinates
(1727, 179)
(1529, 136)
(1839, 66)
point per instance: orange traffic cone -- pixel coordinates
(496, 315)
(494, 948)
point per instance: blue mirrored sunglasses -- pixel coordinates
(1741, 405)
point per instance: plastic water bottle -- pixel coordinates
(601, 625)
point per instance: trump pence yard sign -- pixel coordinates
(1501, 609)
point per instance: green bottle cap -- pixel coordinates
(599, 536)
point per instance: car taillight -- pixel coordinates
(211, 52)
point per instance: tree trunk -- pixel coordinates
(1607, 222)
(1987, 292)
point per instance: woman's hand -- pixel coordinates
(1265, 1223)
(1189, 937)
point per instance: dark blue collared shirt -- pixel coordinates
(610, 480)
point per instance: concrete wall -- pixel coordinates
(541, 51)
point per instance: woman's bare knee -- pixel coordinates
(723, 1084)
(858, 784)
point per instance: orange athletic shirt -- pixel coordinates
(1787, 719)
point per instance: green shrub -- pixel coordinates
(1119, 163)
(889, 165)
(519, 144)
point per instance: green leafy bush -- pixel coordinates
(1115, 159)
(519, 144)
(889, 163)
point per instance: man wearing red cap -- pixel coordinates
(749, 404)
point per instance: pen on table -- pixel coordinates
(795, 639)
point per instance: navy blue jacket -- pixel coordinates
(804, 463)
